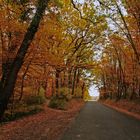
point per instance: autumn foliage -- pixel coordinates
(54, 49)
(119, 66)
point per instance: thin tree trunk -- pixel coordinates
(57, 81)
(69, 80)
(74, 80)
(83, 89)
(77, 78)
(22, 81)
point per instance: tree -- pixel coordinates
(7, 87)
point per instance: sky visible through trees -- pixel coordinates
(93, 91)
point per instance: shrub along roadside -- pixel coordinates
(61, 99)
(28, 106)
(21, 111)
(58, 102)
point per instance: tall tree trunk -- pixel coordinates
(74, 80)
(57, 81)
(134, 80)
(22, 80)
(8, 88)
(104, 85)
(69, 79)
(83, 89)
(65, 79)
(77, 78)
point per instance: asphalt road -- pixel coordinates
(98, 122)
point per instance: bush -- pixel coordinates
(58, 103)
(64, 90)
(30, 104)
(68, 97)
(20, 111)
(34, 100)
(78, 92)
(41, 91)
(65, 93)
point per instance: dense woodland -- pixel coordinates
(55, 49)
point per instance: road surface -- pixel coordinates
(98, 122)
